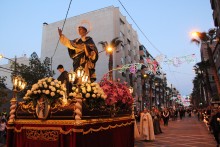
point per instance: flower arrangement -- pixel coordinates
(93, 94)
(118, 94)
(51, 88)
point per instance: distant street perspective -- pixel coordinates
(188, 132)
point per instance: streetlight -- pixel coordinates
(19, 84)
(80, 77)
(109, 48)
(208, 38)
(14, 61)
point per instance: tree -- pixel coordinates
(109, 48)
(3, 90)
(207, 39)
(2, 82)
(33, 72)
(201, 69)
(196, 93)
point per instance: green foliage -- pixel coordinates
(33, 72)
(3, 92)
(2, 82)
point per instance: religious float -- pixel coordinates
(92, 114)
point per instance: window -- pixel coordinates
(121, 22)
(122, 35)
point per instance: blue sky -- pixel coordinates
(167, 24)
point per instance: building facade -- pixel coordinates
(104, 24)
(215, 5)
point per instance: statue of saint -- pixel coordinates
(83, 52)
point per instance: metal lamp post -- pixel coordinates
(80, 77)
(19, 84)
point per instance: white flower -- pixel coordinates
(35, 92)
(52, 93)
(45, 85)
(103, 96)
(39, 91)
(84, 91)
(47, 91)
(61, 92)
(53, 89)
(74, 94)
(52, 83)
(87, 95)
(88, 88)
(83, 88)
(93, 95)
(57, 85)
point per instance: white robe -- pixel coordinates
(146, 127)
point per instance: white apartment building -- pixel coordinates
(106, 24)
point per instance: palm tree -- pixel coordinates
(201, 69)
(208, 38)
(109, 48)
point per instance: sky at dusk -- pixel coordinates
(166, 26)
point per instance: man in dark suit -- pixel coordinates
(64, 77)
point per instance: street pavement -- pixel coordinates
(188, 132)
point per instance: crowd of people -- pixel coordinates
(3, 130)
(150, 121)
(211, 117)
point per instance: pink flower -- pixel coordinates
(117, 93)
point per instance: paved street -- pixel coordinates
(188, 132)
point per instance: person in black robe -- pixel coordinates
(64, 78)
(83, 52)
